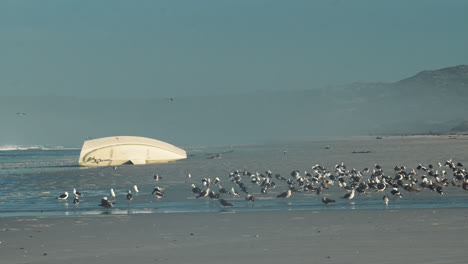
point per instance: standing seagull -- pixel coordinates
(63, 196)
(225, 203)
(350, 195)
(250, 198)
(203, 193)
(129, 195)
(396, 192)
(234, 192)
(195, 189)
(135, 188)
(112, 193)
(158, 192)
(76, 193)
(386, 199)
(157, 177)
(327, 200)
(286, 194)
(158, 195)
(214, 195)
(106, 203)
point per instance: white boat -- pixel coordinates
(114, 151)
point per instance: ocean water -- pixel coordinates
(32, 177)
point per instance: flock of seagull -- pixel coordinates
(350, 180)
(105, 202)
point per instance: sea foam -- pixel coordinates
(33, 147)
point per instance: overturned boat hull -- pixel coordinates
(114, 151)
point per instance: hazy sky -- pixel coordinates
(174, 48)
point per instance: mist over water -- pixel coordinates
(229, 119)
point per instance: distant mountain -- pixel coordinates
(431, 101)
(446, 77)
(460, 128)
(446, 81)
(451, 80)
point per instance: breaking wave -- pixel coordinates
(33, 147)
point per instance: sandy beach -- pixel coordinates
(358, 236)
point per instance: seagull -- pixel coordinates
(439, 190)
(396, 192)
(206, 182)
(158, 192)
(112, 193)
(63, 196)
(76, 193)
(136, 188)
(222, 189)
(249, 198)
(195, 189)
(319, 190)
(203, 193)
(350, 195)
(327, 200)
(381, 186)
(225, 203)
(157, 177)
(234, 192)
(214, 195)
(286, 194)
(76, 200)
(106, 203)
(129, 195)
(189, 175)
(385, 199)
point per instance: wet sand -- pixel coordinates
(350, 236)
